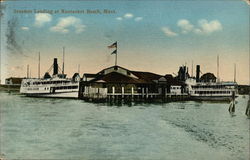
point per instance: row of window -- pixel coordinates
(50, 82)
(175, 87)
(212, 86)
(66, 87)
(212, 92)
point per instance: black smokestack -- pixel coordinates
(55, 65)
(197, 73)
(184, 73)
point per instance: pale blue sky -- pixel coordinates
(155, 36)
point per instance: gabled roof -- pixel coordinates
(147, 76)
(132, 77)
(115, 77)
(112, 67)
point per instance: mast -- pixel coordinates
(192, 68)
(39, 65)
(218, 70)
(27, 71)
(63, 60)
(234, 72)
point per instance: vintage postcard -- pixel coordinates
(124, 79)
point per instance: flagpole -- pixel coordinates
(116, 54)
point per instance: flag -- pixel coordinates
(114, 52)
(114, 45)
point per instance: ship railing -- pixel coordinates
(213, 89)
(54, 84)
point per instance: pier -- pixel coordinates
(137, 97)
(119, 84)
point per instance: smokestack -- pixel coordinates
(197, 73)
(184, 72)
(55, 65)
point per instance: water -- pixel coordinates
(39, 128)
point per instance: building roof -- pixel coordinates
(112, 67)
(146, 76)
(15, 80)
(89, 75)
(115, 77)
(170, 80)
(134, 77)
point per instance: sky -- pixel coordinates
(154, 36)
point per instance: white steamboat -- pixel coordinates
(218, 91)
(209, 88)
(57, 86)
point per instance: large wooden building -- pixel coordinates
(120, 83)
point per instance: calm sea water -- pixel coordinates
(39, 128)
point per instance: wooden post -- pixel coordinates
(113, 92)
(143, 92)
(98, 93)
(147, 92)
(132, 92)
(122, 92)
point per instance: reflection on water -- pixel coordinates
(44, 128)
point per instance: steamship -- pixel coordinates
(57, 85)
(209, 88)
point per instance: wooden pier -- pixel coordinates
(102, 95)
(120, 84)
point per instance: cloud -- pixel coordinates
(42, 18)
(138, 19)
(128, 15)
(64, 23)
(119, 18)
(168, 32)
(206, 27)
(25, 28)
(185, 25)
